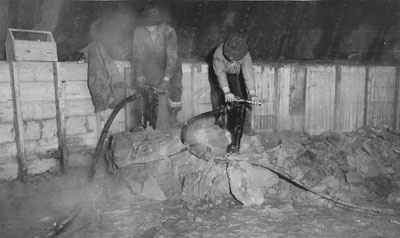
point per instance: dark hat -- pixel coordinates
(151, 16)
(235, 48)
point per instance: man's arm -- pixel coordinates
(171, 45)
(138, 54)
(219, 69)
(248, 74)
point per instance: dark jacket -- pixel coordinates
(105, 82)
(155, 58)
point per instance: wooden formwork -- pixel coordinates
(46, 115)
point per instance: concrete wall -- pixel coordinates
(40, 99)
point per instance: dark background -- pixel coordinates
(354, 31)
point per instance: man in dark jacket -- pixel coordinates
(155, 60)
(234, 71)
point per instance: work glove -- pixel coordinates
(229, 97)
(255, 100)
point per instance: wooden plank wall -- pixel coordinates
(312, 98)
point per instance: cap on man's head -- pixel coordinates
(151, 16)
(235, 48)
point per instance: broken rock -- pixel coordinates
(248, 183)
(208, 182)
(380, 185)
(353, 178)
(151, 189)
(393, 198)
(143, 147)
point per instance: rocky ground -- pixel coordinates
(157, 188)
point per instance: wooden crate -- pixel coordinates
(30, 45)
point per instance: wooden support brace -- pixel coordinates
(18, 122)
(59, 93)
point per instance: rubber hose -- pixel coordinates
(195, 118)
(104, 133)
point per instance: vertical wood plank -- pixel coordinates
(352, 98)
(60, 116)
(395, 124)
(320, 99)
(337, 113)
(187, 102)
(295, 97)
(277, 94)
(265, 119)
(306, 103)
(192, 89)
(303, 123)
(128, 107)
(18, 122)
(256, 111)
(282, 116)
(367, 96)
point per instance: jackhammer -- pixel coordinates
(239, 107)
(150, 108)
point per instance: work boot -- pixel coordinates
(232, 149)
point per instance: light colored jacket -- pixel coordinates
(222, 67)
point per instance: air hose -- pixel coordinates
(195, 118)
(104, 132)
(222, 110)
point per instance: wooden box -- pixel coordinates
(30, 45)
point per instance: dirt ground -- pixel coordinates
(69, 205)
(106, 208)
